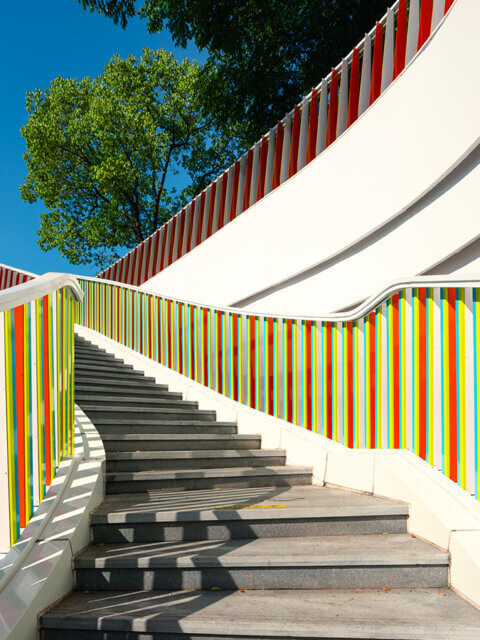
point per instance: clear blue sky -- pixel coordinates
(40, 40)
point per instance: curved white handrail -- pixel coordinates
(39, 287)
(358, 312)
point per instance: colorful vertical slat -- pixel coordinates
(406, 375)
(36, 342)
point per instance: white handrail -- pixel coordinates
(39, 287)
(359, 312)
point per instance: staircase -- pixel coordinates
(205, 535)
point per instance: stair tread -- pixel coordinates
(347, 550)
(221, 504)
(195, 454)
(180, 474)
(180, 436)
(416, 614)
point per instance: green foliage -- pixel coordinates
(120, 12)
(102, 154)
(263, 54)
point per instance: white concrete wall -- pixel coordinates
(440, 511)
(418, 131)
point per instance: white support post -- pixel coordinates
(287, 135)
(302, 147)
(270, 160)
(343, 100)
(322, 117)
(438, 13)
(364, 100)
(389, 50)
(413, 27)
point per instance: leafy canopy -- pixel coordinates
(264, 54)
(102, 154)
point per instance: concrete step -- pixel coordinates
(125, 403)
(136, 386)
(102, 365)
(170, 426)
(178, 442)
(97, 374)
(128, 394)
(215, 459)
(226, 514)
(326, 562)
(179, 412)
(337, 614)
(240, 477)
(86, 356)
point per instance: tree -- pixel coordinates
(102, 154)
(263, 54)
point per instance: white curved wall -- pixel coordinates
(418, 131)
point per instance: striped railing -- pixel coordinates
(36, 393)
(10, 276)
(323, 115)
(401, 372)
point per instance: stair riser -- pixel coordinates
(179, 445)
(298, 577)
(185, 463)
(140, 486)
(172, 414)
(136, 427)
(240, 530)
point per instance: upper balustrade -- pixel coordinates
(312, 126)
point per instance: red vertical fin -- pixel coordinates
(312, 127)
(452, 382)
(181, 232)
(426, 12)
(396, 372)
(294, 144)
(277, 163)
(376, 81)
(400, 39)
(20, 410)
(349, 416)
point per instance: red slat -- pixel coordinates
(376, 80)
(400, 39)
(294, 143)
(223, 198)
(181, 232)
(452, 382)
(277, 162)
(312, 127)
(200, 219)
(426, 11)
(422, 371)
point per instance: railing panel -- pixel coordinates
(403, 374)
(36, 402)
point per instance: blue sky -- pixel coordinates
(39, 41)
